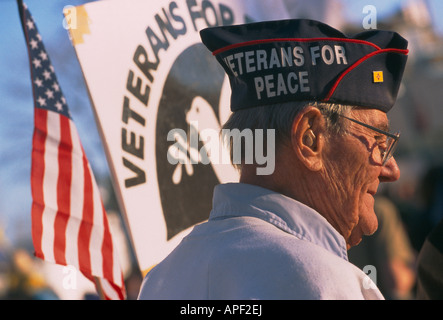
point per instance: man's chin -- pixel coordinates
(368, 222)
(364, 228)
(353, 241)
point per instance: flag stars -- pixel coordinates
(49, 94)
(30, 24)
(43, 55)
(33, 43)
(37, 63)
(41, 101)
(59, 106)
(38, 82)
(47, 75)
(56, 87)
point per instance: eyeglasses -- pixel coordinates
(391, 140)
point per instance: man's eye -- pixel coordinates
(380, 138)
(382, 143)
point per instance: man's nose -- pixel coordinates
(390, 172)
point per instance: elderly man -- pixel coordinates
(285, 235)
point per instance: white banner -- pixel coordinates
(154, 88)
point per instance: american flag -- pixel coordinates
(69, 222)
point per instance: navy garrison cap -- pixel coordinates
(304, 60)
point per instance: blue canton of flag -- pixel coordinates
(47, 92)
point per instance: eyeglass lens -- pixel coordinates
(391, 145)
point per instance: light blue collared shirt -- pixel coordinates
(259, 244)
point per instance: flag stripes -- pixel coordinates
(69, 221)
(54, 214)
(37, 176)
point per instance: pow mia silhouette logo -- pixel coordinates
(191, 94)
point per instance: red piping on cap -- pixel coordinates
(254, 42)
(337, 82)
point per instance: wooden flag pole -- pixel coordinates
(99, 288)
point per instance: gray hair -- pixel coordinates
(280, 117)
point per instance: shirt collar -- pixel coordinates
(289, 215)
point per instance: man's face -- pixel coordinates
(353, 171)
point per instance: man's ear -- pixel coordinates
(307, 137)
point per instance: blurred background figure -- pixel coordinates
(430, 266)
(430, 260)
(432, 194)
(23, 279)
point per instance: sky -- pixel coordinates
(16, 105)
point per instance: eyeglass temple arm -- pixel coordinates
(394, 136)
